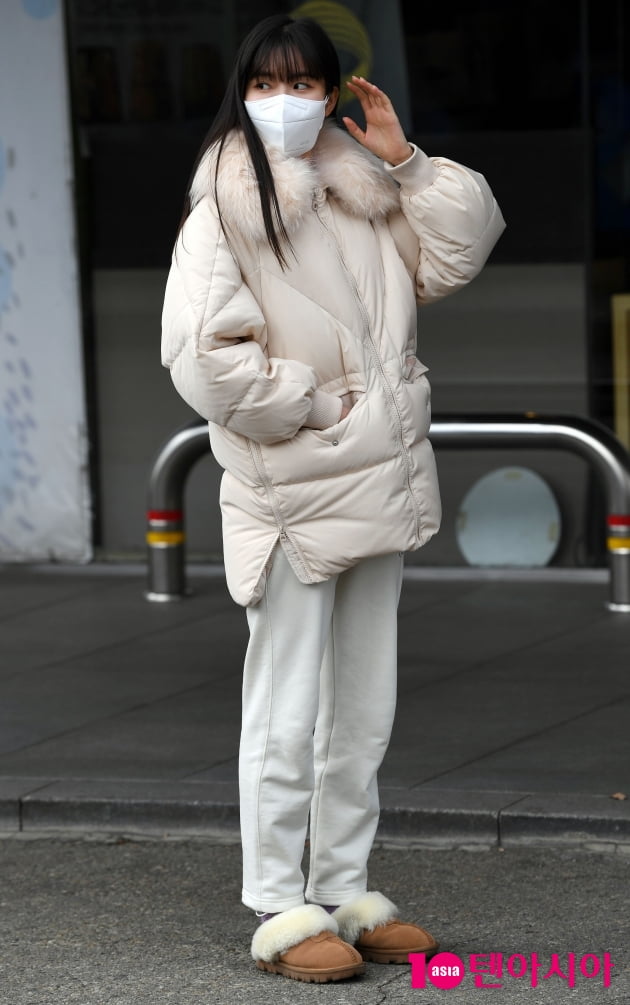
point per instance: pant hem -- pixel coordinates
(271, 906)
(337, 897)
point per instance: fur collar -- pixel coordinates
(338, 164)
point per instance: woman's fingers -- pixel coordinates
(367, 92)
(356, 85)
(353, 128)
(383, 134)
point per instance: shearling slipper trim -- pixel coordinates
(288, 929)
(367, 911)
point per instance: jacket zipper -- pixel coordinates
(285, 538)
(367, 328)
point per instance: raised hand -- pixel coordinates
(383, 133)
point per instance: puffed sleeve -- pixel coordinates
(214, 341)
(455, 216)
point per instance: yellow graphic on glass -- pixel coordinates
(347, 32)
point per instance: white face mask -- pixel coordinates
(289, 123)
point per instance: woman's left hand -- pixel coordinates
(383, 133)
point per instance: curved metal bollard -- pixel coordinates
(166, 538)
(590, 440)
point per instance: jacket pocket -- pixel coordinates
(418, 391)
(334, 434)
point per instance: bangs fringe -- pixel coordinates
(286, 58)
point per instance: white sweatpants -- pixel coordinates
(319, 695)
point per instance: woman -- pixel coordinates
(290, 325)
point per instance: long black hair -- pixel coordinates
(283, 47)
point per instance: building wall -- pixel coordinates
(532, 95)
(45, 507)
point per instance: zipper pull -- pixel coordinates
(318, 198)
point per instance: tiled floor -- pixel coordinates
(517, 687)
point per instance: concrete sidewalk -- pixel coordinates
(89, 922)
(122, 716)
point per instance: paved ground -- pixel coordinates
(123, 716)
(118, 733)
(159, 923)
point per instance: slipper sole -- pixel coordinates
(391, 956)
(312, 976)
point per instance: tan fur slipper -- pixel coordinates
(303, 944)
(370, 923)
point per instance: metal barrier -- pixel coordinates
(590, 440)
(165, 517)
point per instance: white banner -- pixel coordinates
(44, 495)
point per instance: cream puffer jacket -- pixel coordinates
(265, 354)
